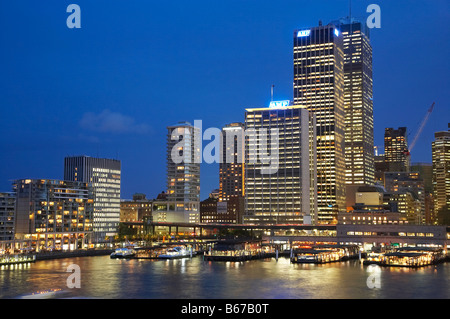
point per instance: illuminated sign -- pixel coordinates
(304, 33)
(278, 104)
(336, 32)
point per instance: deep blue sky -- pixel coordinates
(111, 88)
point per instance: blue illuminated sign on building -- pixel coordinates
(304, 33)
(278, 104)
(336, 32)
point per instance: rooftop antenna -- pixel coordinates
(271, 92)
(350, 11)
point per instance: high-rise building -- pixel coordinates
(441, 175)
(319, 87)
(231, 167)
(104, 175)
(280, 165)
(54, 214)
(231, 174)
(396, 153)
(183, 164)
(358, 102)
(7, 215)
(182, 203)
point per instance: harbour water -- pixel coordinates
(194, 278)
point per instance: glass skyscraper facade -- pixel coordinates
(358, 103)
(319, 87)
(441, 175)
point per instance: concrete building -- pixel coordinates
(105, 177)
(7, 216)
(280, 180)
(135, 209)
(54, 214)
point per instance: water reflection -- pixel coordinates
(102, 277)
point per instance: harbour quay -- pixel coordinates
(367, 237)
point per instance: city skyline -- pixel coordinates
(66, 99)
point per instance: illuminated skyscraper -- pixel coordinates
(441, 175)
(280, 173)
(104, 175)
(396, 153)
(358, 103)
(319, 86)
(183, 176)
(183, 163)
(231, 167)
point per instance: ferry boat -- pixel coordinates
(176, 252)
(17, 259)
(123, 253)
(373, 258)
(45, 294)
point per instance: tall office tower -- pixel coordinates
(280, 165)
(54, 214)
(232, 174)
(7, 215)
(441, 175)
(183, 175)
(231, 167)
(358, 102)
(396, 152)
(104, 175)
(319, 86)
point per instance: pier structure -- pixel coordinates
(366, 236)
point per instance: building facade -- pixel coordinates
(182, 203)
(441, 175)
(396, 153)
(280, 181)
(319, 87)
(232, 167)
(358, 102)
(232, 174)
(54, 214)
(105, 177)
(135, 209)
(7, 216)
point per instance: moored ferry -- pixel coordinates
(123, 253)
(17, 259)
(175, 252)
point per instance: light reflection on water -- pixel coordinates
(102, 277)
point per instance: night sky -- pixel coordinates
(111, 88)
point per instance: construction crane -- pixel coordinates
(419, 131)
(422, 125)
